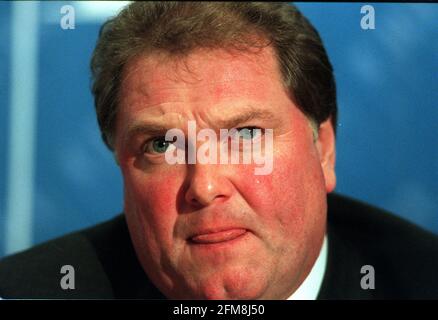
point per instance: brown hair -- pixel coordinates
(178, 28)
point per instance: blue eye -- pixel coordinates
(249, 133)
(156, 145)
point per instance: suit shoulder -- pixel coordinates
(36, 272)
(404, 255)
(365, 222)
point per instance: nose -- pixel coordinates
(207, 184)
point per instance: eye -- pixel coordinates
(249, 133)
(156, 145)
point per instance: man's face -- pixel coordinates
(219, 231)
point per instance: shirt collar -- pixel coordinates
(310, 287)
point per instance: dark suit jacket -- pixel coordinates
(404, 257)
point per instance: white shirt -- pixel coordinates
(310, 287)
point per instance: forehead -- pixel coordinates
(205, 75)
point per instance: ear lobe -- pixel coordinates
(326, 146)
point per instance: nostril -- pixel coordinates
(203, 198)
(200, 201)
(194, 201)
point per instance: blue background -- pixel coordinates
(387, 150)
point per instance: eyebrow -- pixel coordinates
(245, 116)
(145, 128)
(153, 128)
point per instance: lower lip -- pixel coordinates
(218, 237)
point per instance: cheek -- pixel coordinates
(150, 201)
(285, 200)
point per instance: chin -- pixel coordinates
(235, 284)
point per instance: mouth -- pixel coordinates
(218, 236)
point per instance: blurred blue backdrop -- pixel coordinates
(56, 175)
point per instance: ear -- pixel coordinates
(116, 157)
(326, 146)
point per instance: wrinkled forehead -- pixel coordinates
(156, 74)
